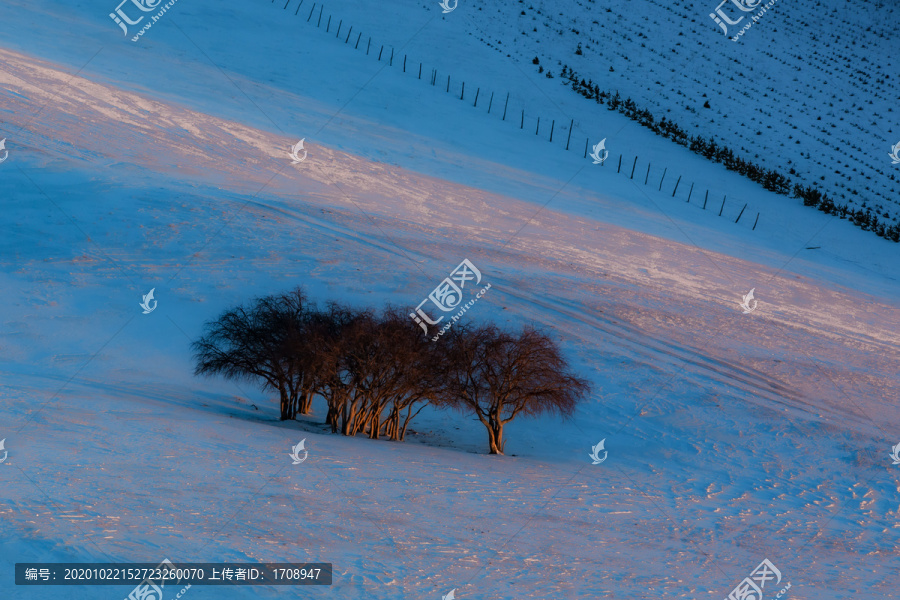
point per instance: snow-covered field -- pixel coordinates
(164, 164)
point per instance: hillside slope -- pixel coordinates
(731, 437)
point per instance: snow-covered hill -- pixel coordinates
(164, 164)
(810, 89)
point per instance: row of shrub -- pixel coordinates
(377, 371)
(770, 179)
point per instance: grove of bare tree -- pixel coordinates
(376, 372)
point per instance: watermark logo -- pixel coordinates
(746, 303)
(751, 587)
(5, 453)
(121, 18)
(445, 4)
(6, 152)
(450, 596)
(721, 18)
(295, 452)
(149, 589)
(595, 452)
(596, 153)
(447, 296)
(295, 149)
(895, 153)
(895, 454)
(146, 303)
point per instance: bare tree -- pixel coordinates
(372, 371)
(499, 376)
(262, 342)
(330, 334)
(288, 317)
(416, 373)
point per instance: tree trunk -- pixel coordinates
(495, 437)
(360, 421)
(306, 402)
(285, 403)
(409, 416)
(385, 426)
(392, 428)
(332, 417)
(295, 404)
(292, 400)
(345, 420)
(334, 422)
(375, 426)
(348, 418)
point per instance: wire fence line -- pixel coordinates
(457, 86)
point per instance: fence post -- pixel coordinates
(337, 33)
(348, 34)
(619, 168)
(661, 179)
(298, 8)
(448, 83)
(676, 187)
(522, 120)
(420, 70)
(647, 176)
(328, 25)
(462, 94)
(755, 222)
(741, 213)
(380, 52)
(311, 11)
(476, 97)
(705, 198)
(690, 192)
(369, 45)
(585, 148)
(285, 4)
(571, 123)
(404, 63)
(633, 166)
(357, 41)
(490, 102)
(505, 105)
(319, 22)
(538, 128)
(391, 63)
(723, 204)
